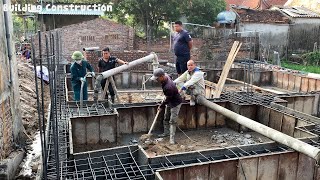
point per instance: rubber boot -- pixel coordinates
(172, 133)
(112, 99)
(166, 131)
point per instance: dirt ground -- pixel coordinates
(200, 140)
(28, 98)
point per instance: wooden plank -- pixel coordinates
(275, 120)
(291, 82)
(268, 167)
(288, 125)
(265, 116)
(280, 80)
(247, 169)
(140, 123)
(223, 170)
(305, 167)
(211, 118)
(304, 84)
(318, 85)
(181, 122)
(298, 104)
(201, 116)
(308, 104)
(125, 120)
(285, 80)
(234, 50)
(249, 111)
(174, 174)
(297, 83)
(288, 165)
(290, 103)
(312, 85)
(108, 129)
(196, 172)
(191, 120)
(274, 78)
(221, 119)
(230, 123)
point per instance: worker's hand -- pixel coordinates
(93, 74)
(82, 79)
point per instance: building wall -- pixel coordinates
(10, 118)
(274, 35)
(94, 33)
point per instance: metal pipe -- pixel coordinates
(114, 71)
(275, 135)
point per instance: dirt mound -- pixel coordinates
(28, 97)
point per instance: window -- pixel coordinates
(87, 38)
(109, 37)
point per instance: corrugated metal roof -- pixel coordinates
(299, 12)
(72, 12)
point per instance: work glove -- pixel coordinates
(93, 74)
(82, 79)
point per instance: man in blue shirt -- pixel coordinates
(78, 71)
(182, 45)
(106, 63)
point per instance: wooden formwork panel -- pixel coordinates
(175, 174)
(223, 170)
(221, 119)
(247, 169)
(257, 78)
(263, 114)
(196, 172)
(118, 79)
(108, 129)
(134, 79)
(181, 121)
(274, 78)
(268, 167)
(285, 83)
(291, 82)
(201, 116)
(152, 111)
(312, 84)
(140, 120)
(266, 78)
(306, 167)
(317, 173)
(79, 133)
(230, 123)
(275, 121)
(125, 121)
(288, 165)
(298, 104)
(318, 85)
(288, 125)
(92, 128)
(290, 103)
(280, 80)
(249, 111)
(190, 119)
(308, 104)
(297, 83)
(304, 84)
(211, 118)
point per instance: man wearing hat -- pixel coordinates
(78, 71)
(172, 103)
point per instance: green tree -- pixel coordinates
(150, 15)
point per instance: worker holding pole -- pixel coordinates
(106, 63)
(172, 103)
(191, 82)
(78, 72)
(182, 43)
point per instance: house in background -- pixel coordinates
(254, 4)
(313, 5)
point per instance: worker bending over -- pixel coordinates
(192, 82)
(172, 103)
(78, 71)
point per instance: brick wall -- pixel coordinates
(94, 33)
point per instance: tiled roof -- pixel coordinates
(255, 4)
(262, 16)
(299, 12)
(69, 12)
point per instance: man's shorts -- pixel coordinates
(181, 63)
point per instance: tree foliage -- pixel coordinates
(150, 15)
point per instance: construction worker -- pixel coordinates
(78, 71)
(182, 45)
(172, 103)
(192, 82)
(106, 63)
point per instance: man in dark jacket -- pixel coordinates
(172, 103)
(106, 63)
(78, 71)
